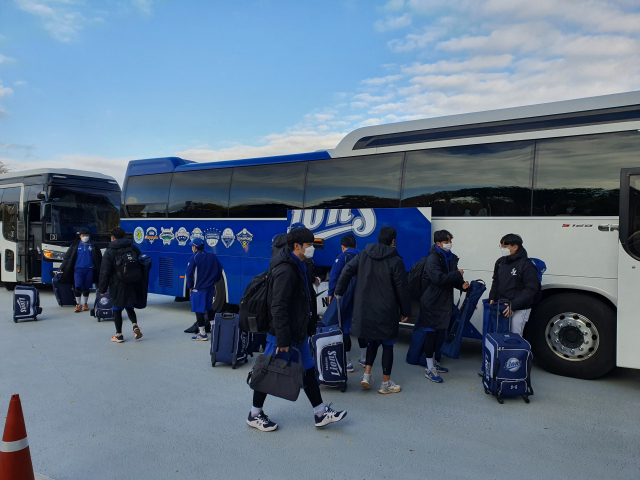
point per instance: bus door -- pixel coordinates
(9, 266)
(629, 270)
(34, 235)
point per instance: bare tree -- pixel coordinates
(4, 168)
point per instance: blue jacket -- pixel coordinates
(85, 256)
(339, 264)
(204, 271)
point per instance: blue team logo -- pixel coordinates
(212, 236)
(104, 301)
(166, 235)
(513, 365)
(152, 234)
(138, 235)
(182, 236)
(197, 233)
(228, 237)
(244, 237)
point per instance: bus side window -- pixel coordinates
(581, 175)
(147, 195)
(491, 180)
(355, 182)
(200, 194)
(11, 199)
(267, 191)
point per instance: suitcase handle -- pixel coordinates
(228, 315)
(499, 302)
(339, 312)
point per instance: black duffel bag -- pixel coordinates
(276, 376)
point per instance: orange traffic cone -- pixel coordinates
(15, 457)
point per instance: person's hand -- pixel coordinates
(329, 300)
(465, 286)
(491, 302)
(281, 349)
(317, 282)
(102, 294)
(190, 290)
(461, 272)
(507, 312)
(404, 319)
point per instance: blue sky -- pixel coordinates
(93, 84)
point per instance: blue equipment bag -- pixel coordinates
(329, 354)
(330, 316)
(507, 365)
(26, 303)
(102, 307)
(453, 342)
(415, 354)
(228, 343)
(63, 292)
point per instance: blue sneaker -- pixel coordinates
(261, 422)
(439, 368)
(433, 375)
(350, 368)
(361, 363)
(199, 337)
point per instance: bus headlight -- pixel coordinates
(53, 256)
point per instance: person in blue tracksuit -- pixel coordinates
(349, 251)
(82, 263)
(203, 272)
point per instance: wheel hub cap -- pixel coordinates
(572, 336)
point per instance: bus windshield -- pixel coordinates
(76, 207)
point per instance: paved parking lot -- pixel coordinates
(155, 409)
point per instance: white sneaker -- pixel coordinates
(390, 387)
(261, 422)
(329, 416)
(366, 383)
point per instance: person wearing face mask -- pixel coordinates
(442, 275)
(515, 278)
(81, 266)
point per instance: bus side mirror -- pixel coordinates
(43, 196)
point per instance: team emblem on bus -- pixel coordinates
(166, 235)
(182, 236)
(152, 234)
(227, 237)
(212, 236)
(197, 233)
(337, 222)
(244, 237)
(513, 365)
(138, 235)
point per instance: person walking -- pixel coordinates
(203, 272)
(81, 266)
(442, 275)
(290, 327)
(515, 278)
(349, 251)
(381, 298)
(121, 274)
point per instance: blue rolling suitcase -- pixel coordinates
(63, 292)
(507, 365)
(228, 343)
(26, 303)
(329, 354)
(102, 307)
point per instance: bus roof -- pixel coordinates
(54, 171)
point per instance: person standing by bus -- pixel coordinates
(121, 274)
(442, 275)
(349, 251)
(380, 299)
(290, 327)
(203, 272)
(81, 265)
(515, 278)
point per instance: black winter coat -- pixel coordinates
(68, 266)
(290, 305)
(311, 277)
(382, 292)
(515, 278)
(122, 294)
(436, 303)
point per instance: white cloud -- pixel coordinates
(61, 18)
(393, 23)
(5, 59)
(144, 6)
(382, 80)
(415, 41)
(5, 91)
(19, 83)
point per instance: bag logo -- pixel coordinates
(166, 235)
(337, 222)
(513, 271)
(228, 237)
(212, 236)
(138, 235)
(332, 365)
(104, 301)
(197, 233)
(22, 303)
(152, 234)
(182, 236)
(513, 365)
(244, 237)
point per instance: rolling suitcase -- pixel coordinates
(26, 303)
(329, 354)
(63, 292)
(102, 307)
(228, 342)
(507, 364)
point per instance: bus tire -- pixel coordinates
(10, 286)
(220, 297)
(573, 335)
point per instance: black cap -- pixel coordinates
(83, 231)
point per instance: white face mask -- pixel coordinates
(505, 252)
(84, 239)
(309, 251)
(447, 247)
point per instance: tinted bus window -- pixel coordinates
(200, 194)
(147, 195)
(267, 191)
(480, 180)
(11, 199)
(581, 175)
(361, 182)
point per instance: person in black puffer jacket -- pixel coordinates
(515, 278)
(380, 299)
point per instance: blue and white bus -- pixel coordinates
(565, 176)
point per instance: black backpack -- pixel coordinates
(128, 268)
(415, 279)
(254, 304)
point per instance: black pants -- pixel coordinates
(117, 318)
(81, 292)
(387, 356)
(433, 342)
(200, 317)
(346, 338)
(311, 388)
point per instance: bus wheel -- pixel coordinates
(221, 296)
(10, 286)
(574, 335)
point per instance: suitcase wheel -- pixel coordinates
(343, 388)
(526, 398)
(487, 391)
(98, 319)
(15, 320)
(213, 360)
(35, 319)
(500, 400)
(234, 364)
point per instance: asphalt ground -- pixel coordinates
(156, 409)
